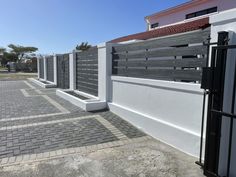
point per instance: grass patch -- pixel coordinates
(3, 68)
(16, 76)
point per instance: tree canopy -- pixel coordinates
(2, 50)
(20, 51)
(83, 46)
(16, 53)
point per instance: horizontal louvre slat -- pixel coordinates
(87, 53)
(87, 90)
(86, 72)
(92, 76)
(89, 57)
(87, 79)
(86, 62)
(191, 75)
(182, 39)
(182, 51)
(186, 62)
(84, 66)
(87, 84)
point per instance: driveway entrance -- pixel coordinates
(44, 135)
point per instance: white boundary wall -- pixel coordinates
(168, 111)
(226, 21)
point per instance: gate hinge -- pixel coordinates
(207, 73)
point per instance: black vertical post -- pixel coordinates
(231, 126)
(218, 64)
(203, 108)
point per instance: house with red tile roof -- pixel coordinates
(190, 16)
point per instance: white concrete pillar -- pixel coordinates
(104, 71)
(45, 68)
(55, 68)
(72, 69)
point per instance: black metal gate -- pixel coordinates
(63, 75)
(219, 80)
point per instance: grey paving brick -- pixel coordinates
(44, 138)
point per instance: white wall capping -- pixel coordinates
(102, 45)
(193, 88)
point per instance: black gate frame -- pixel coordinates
(213, 83)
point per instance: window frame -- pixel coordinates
(154, 25)
(201, 12)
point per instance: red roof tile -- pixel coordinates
(169, 30)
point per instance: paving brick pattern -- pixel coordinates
(30, 124)
(126, 128)
(6, 86)
(14, 104)
(50, 137)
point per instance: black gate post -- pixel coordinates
(213, 131)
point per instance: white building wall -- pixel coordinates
(179, 15)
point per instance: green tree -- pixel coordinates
(83, 46)
(2, 50)
(21, 51)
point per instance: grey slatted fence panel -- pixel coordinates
(194, 37)
(50, 68)
(41, 68)
(175, 58)
(63, 80)
(87, 71)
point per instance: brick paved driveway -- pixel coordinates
(36, 123)
(42, 135)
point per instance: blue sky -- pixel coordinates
(56, 26)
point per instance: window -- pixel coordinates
(154, 25)
(202, 12)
